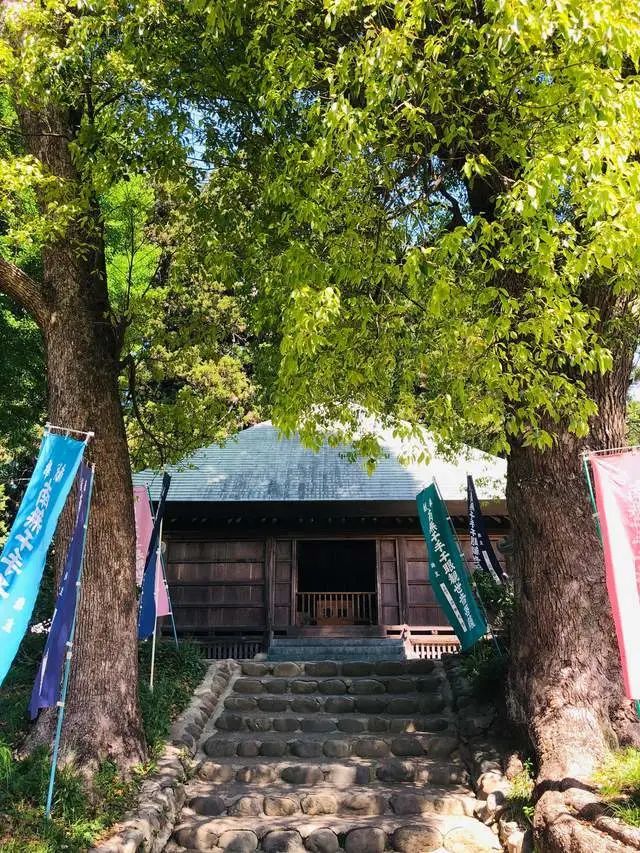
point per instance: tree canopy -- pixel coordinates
(445, 210)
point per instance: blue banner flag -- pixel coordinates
(484, 557)
(23, 556)
(147, 611)
(447, 572)
(46, 688)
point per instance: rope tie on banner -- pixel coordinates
(68, 431)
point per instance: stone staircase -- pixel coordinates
(336, 649)
(356, 756)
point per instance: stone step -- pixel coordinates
(301, 654)
(420, 704)
(338, 649)
(336, 686)
(334, 745)
(354, 771)
(278, 801)
(235, 719)
(451, 833)
(328, 667)
(336, 642)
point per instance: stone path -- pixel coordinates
(328, 756)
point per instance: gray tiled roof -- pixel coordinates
(259, 465)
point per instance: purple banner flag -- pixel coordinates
(484, 557)
(47, 684)
(148, 610)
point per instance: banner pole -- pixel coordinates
(596, 518)
(592, 497)
(67, 667)
(469, 574)
(155, 600)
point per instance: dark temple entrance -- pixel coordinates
(337, 582)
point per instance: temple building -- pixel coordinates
(266, 538)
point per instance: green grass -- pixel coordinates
(520, 798)
(618, 780)
(79, 818)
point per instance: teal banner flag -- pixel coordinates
(447, 572)
(23, 556)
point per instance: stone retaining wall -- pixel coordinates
(149, 826)
(490, 767)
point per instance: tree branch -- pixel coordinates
(25, 291)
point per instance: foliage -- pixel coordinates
(486, 669)
(499, 602)
(443, 209)
(618, 779)
(520, 797)
(177, 673)
(79, 818)
(133, 78)
(633, 422)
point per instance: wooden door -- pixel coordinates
(282, 582)
(388, 584)
(422, 607)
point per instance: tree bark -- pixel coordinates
(102, 718)
(565, 680)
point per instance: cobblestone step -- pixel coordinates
(261, 771)
(340, 685)
(358, 756)
(310, 744)
(423, 704)
(281, 801)
(330, 668)
(452, 833)
(348, 722)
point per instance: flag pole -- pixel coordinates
(67, 667)
(469, 574)
(592, 497)
(596, 518)
(155, 599)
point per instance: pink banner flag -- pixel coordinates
(162, 599)
(144, 529)
(617, 487)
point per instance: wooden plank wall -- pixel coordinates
(217, 584)
(250, 584)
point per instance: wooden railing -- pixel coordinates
(238, 648)
(337, 608)
(432, 648)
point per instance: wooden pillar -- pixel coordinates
(379, 619)
(294, 583)
(269, 577)
(403, 584)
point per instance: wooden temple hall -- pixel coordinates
(267, 539)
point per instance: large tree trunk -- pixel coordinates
(102, 718)
(565, 681)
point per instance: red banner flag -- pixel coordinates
(617, 487)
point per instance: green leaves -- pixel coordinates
(446, 208)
